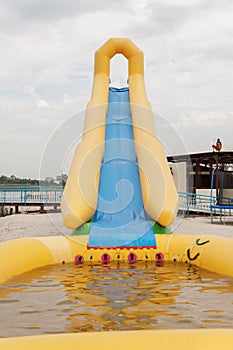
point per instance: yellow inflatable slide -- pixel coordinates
(160, 197)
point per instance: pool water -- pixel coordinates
(89, 297)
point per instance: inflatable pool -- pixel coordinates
(120, 180)
(207, 251)
(210, 252)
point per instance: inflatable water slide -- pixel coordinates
(119, 177)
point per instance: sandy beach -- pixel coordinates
(39, 225)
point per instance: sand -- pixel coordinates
(201, 225)
(31, 225)
(39, 225)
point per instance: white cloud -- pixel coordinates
(42, 103)
(206, 119)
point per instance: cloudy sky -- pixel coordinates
(47, 50)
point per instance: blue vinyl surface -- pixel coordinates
(120, 219)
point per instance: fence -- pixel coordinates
(200, 203)
(25, 195)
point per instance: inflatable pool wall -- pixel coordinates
(210, 252)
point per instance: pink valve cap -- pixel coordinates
(132, 258)
(105, 258)
(159, 256)
(79, 259)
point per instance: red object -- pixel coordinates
(218, 145)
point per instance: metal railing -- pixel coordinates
(30, 194)
(190, 202)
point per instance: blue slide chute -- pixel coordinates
(120, 219)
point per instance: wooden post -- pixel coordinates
(198, 174)
(1, 209)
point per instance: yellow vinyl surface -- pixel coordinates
(211, 252)
(174, 339)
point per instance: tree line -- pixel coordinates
(13, 180)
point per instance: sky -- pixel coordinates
(46, 71)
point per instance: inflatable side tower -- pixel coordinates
(119, 178)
